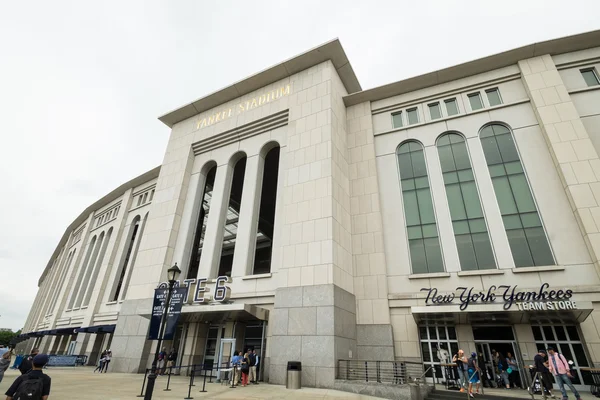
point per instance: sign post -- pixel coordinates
(164, 309)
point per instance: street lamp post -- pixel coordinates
(173, 275)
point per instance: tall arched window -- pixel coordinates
(266, 218)
(233, 214)
(120, 277)
(528, 242)
(61, 281)
(201, 225)
(93, 281)
(470, 230)
(423, 239)
(80, 273)
(88, 271)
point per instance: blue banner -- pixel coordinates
(177, 299)
(158, 307)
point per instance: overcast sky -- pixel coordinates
(82, 84)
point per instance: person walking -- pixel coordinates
(473, 371)
(559, 367)
(101, 362)
(32, 385)
(502, 365)
(107, 357)
(541, 366)
(4, 363)
(461, 366)
(26, 364)
(514, 377)
(245, 368)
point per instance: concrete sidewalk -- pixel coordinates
(82, 384)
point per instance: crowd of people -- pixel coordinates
(547, 364)
(244, 366)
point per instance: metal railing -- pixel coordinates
(390, 372)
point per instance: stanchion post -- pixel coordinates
(189, 396)
(143, 384)
(168, 380)
(204, 384)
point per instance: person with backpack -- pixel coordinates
(34, 385)
(473, 371)
(461, 366)
(502, 365)
(26, 366)
(245, 368)
(558, 365)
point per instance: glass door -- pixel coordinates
(210, 350)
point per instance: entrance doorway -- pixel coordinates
(501, 339)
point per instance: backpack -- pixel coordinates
(30, 389)
(471, 363)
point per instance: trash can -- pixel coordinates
(294, 375)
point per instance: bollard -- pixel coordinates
(189, 396)
(204, 384)
(143, 384)
(168, 380)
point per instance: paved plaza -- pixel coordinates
(83, 384)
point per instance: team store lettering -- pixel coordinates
(543, 299)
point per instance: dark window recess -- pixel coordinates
(124, 268)
(266, 219)
(493, 333)
(232, 218)
(201, 226)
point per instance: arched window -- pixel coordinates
(80, 272)
(423, 239)
(120, 277)
(201, 225)
(528, 242)
(93, 281)
(232, 217)
(266, 218)
(470, 230)
(88, 271)
(61, 281)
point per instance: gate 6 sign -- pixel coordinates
(198, 290)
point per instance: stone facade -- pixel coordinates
(340, 285)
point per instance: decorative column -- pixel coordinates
(572, 151)
(245, 244)
(213, 238)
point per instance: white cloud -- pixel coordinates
(82, 85)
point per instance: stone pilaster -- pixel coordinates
(574, 157)
(572, 151)
(375, 339)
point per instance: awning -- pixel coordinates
(97, 329)
(486, 313)
(52, 332)
(223, 312)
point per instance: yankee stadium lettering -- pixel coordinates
(509, 294)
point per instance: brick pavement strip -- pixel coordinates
(82, 384)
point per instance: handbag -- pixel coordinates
(509, 370)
